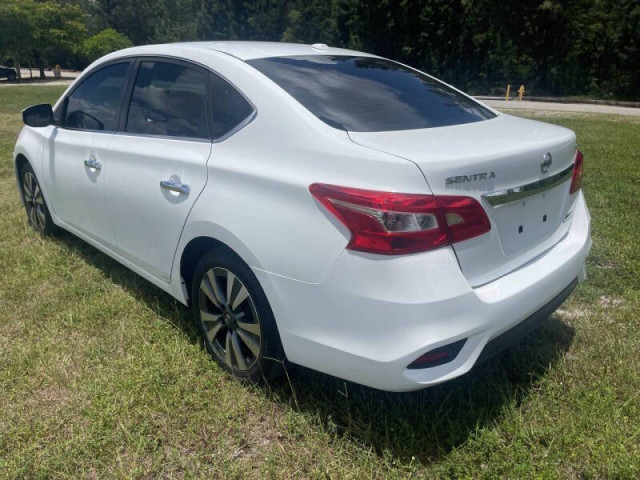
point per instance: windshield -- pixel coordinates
(364, 94)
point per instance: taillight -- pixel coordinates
(576, 180)
(465, 217)
(396, 223)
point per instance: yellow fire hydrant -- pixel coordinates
(520, 93)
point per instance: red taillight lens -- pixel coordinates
(465, 217)
(396, 223)
(576, 180)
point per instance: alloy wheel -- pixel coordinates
(34, 201)
(229, 319)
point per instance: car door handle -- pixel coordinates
(175, 186)
(93, 163)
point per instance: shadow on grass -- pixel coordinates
(429, 423)
(161, 302)
(426, 424)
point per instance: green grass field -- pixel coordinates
(102, 375)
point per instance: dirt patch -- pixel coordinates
(570, 315)
(606, 264)
(50, 400)
(606, 301)
(261, 434)
(9, 332)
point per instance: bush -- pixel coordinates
(104, 42)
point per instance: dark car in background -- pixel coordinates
(9, 73)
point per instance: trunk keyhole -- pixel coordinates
(520, 229)
(544, 218)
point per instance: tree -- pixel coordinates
(17, 30)
(563, 47)
(106, 41)
(45, 32)
(311, 21)
(134, 18)
(59, 30)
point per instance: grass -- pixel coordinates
(102, 374)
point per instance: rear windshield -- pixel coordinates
(363, 94)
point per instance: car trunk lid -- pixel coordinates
(518, 169)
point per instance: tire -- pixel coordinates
(34, 202)
(11, 76)
(240, 334)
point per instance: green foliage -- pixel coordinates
(59, 29)
(573, 47)
(17, 28)
(310, 21)
(576, 47)
(100, 44)
(152, 21)
(44, 32)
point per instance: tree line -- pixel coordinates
(574, 47)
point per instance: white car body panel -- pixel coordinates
(30, 144)
(359, 316)
(77, 191)
(256, 177)
(146, 219)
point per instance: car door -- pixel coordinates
(158, 161)
(75, 157)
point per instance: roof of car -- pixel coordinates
(250, 50)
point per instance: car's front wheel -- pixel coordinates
(11, 76)
(34, 203)
(234, 316)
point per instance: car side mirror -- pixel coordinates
(38, 115)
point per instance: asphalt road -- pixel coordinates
(34, 78)
(562, 107)
(48, 73)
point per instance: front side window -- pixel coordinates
(365, 94)
(94, 104)
(230, 108)
(170, 100)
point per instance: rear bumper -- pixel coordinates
(372, 316)
(525, 327)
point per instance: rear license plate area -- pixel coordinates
(525, 223)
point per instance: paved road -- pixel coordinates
(563, 107)
(47, 73)
(47, 83)
(67, 77)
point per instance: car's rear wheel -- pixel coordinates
(234, 317)
(34, 202)
(11, 76)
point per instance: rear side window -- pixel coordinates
(94, 104)
(363, 94)
(230, 108)
(170, 100)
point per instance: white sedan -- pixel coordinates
(315, 205)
